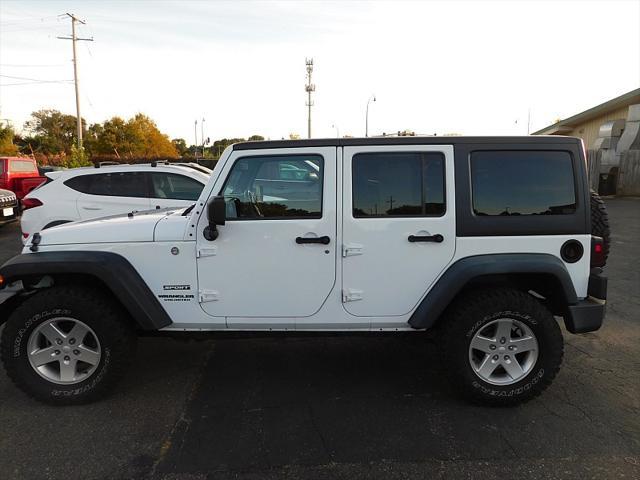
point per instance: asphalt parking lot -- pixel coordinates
(343, 407)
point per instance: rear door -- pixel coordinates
(173, 190)
(398, 225)
(111, 193)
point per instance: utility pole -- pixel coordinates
(75, 39)
(366, 115)
(195, 143)
(309, 88)
(202, 136)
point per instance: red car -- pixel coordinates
(20, 175)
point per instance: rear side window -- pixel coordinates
(174, 187)
(115, 184)
(398, 184)
(23, 166)
(522, 183)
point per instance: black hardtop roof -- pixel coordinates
(453, 140)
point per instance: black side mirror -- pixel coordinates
(216, 214)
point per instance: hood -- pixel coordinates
(136, 227)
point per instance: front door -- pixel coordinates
(275, 256)
(398, 225)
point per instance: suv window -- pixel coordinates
(522, 183)
(288, 186)
(398, 184)
(114, 184)
(174, 187)
(22, 166)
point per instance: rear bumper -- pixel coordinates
(5, 205)
(587, 315)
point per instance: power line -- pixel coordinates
(31, 79)
(14, 65)
(35, 83)
(31, 20)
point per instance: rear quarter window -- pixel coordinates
(513, 183)
(113, 184)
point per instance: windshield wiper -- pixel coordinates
(188, 210)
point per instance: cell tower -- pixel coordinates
(309, 88)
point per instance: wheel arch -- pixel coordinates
(541, 273)
(108, 270)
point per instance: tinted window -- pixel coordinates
(522, 183)
(115, 184)
(275, 187)
(398, 184)
(175, 187)
(23, 166)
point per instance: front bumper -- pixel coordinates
(587, 315)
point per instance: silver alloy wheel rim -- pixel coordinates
(503, 352)
(64, 350)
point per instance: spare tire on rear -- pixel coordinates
(600, 222)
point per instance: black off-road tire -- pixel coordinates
(469, 315)
(105, 317)
(600, 222)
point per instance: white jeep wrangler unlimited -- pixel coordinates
(481, 239)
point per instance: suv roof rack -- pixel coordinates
(107, 164)
(155, 163)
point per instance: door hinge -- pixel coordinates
(207, 252)
(351, 295)
(208, 296)
(351, 249)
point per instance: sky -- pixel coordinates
(465, 67)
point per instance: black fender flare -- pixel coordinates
(115, 271)
(460, 273)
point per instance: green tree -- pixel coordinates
(52, 132)
(78, 158)
(181, 146)
(109, 138)
(219, 145)
(7, 147)
(255, 138)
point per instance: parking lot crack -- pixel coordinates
(318, 432)
(183, 423)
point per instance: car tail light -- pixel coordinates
(25, 235)
(597, 252)
(28, 203)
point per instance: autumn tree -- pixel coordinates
(7, 146)
(147, 140)
(137, 137)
